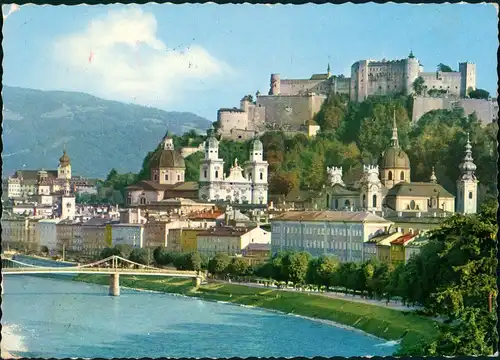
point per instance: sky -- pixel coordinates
(202, 57)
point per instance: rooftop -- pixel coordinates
(330, 216)
(226, 231)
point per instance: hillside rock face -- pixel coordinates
(98, 134)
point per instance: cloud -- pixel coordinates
(120, 57)
(12, 9)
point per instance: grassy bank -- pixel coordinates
(382, 322)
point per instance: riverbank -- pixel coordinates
(381, 322)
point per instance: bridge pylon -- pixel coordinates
(114, 284)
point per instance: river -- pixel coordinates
(59, 318)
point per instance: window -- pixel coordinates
(336, 203)
(412, 204)
(156, 177)
(374, 200)
(470, 194)
(216, 174)
(166, 177)
(261, 176)
(178, 177)
(389, 176)
(347, 203)
(205, 173)
(327, 200)
(402, 175)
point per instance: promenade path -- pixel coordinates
(393, 304)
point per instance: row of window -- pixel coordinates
(317, 231)
(310, 244)
(166, 177)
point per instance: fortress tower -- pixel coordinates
(467, 77)
(412, 69)
(275, 84)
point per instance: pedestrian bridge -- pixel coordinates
(113, 266)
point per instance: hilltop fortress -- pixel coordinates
(291, 104)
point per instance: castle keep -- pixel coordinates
(291, 104)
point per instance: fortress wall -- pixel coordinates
(290, 110)
(256, 117)
(232, 119)
(447, 81)
(342, 85)
(294, 86)
(240, 135)
(486, 110)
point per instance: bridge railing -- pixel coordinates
(101, 270)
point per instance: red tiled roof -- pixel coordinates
(205, 215)
(403, 239)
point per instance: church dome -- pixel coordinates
(164, 158)
(394, 158)
(64, 159)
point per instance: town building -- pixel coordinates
(68, 234)
(379, 246)
(127, 234)
(230, 240)
(47, 233)
(95, 236)
(246, 184)
(25, 184)
(338, 233)
(19, 232)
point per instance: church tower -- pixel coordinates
(68, 203)
(394, 164)
(256, 172)
(211, 170)
(64, 168)
(371, 189)
(467, 183)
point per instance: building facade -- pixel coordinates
(242, 185)
(127, 234)
(337, 233)
(230, 240)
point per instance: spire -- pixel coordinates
(328, 73)
(467, 167)
(394, 139)
(411, 56)
(433, 176)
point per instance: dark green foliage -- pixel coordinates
(100, 134)
(140, 256)
(219, 264)
(479, 94)
(444, 68)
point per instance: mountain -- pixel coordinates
(99, 134)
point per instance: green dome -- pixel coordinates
(167, 159)
(394, 158)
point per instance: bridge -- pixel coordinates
(112, 266)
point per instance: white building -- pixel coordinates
(47, 233)
(338, 233)
(247, 184)
(230, 240)
(127, 234)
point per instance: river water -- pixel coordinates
(60, 318)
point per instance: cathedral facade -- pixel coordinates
(388, 186)
(244, 184)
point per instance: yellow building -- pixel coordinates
(398, 249)
(189, 239)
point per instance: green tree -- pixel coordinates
(218, 265)
(479, 94)
(238, 267)
(419, 85)
(140, 256)
(296, 264)
(192, 261)
(444, 68)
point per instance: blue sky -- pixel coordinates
(199, 58)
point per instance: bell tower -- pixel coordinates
(64, 168)
(467, 183)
